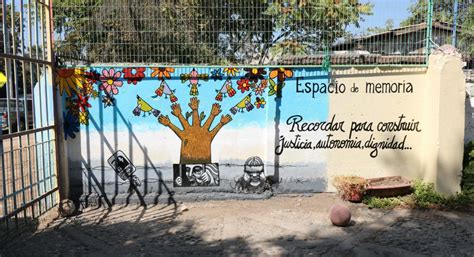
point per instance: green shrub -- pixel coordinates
(459, 201)
(467, 181)
(382, 203)
(423, 196)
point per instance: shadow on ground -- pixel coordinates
(217, 229)
(140, 231)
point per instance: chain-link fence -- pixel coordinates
(254, 32)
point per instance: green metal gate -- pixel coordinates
(28, 179)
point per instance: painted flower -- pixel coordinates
(95, 94)
(260, 89)
(110, 81)
(260, 102)
(281, 73)
(254, 74)
(92, 76)
(217, 74)
(231, 71)
(70, 125)
(274, 87)
(88, 89)
(70, 80)
(244, 85)
(84, 118)
(71, 106)
(108, 100)
(162, 72)
(133, 75)
(82, 102)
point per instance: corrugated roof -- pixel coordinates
(400, 31)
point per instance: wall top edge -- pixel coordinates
(239, 66)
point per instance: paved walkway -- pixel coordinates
(280, 226)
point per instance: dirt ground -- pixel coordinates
(291, 225)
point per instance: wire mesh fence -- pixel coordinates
(254, 32)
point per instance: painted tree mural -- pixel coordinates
(196, 138)
(240, 90)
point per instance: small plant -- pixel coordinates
(382, 203)
(459, 201)
(423, 196)
(467, 181)
(350, 188)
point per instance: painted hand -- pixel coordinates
(194, 103)
(225, 119)
(165, 120)
(216, 109)
(176, 109)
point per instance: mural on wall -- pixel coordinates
(143, 106)
(78, 86)
(241, 90)
(198, 116)
(193, 77)
(124, 168)
(195, 175)
(253, 180)
(196, 137)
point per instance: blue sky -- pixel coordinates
(384, 10)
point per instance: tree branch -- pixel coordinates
(209, 121)
(224, 120)
(196, 121)
(176, 111)
(216, 109)
(194, 105)
(176, 130)
(268, 46)
(216, 129)
(165, 120)
(183, 121)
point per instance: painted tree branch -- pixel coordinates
(176, 111)
(216, 110)
(224, 120)
(196, 141)
(165, 120)
(194, 105)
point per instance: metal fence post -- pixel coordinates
(455, 23)
(61, 159)
(429, 29)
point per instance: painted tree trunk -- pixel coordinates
(196, 148)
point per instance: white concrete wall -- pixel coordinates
(429, 101)
(434, 153)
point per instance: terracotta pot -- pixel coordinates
(355, 197)
(388, 186)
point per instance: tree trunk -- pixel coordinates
(196, 147)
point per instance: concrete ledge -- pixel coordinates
(150, 199)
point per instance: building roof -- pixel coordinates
(398, 32)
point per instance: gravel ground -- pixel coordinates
(292, 225)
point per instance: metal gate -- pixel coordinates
(28, 182)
